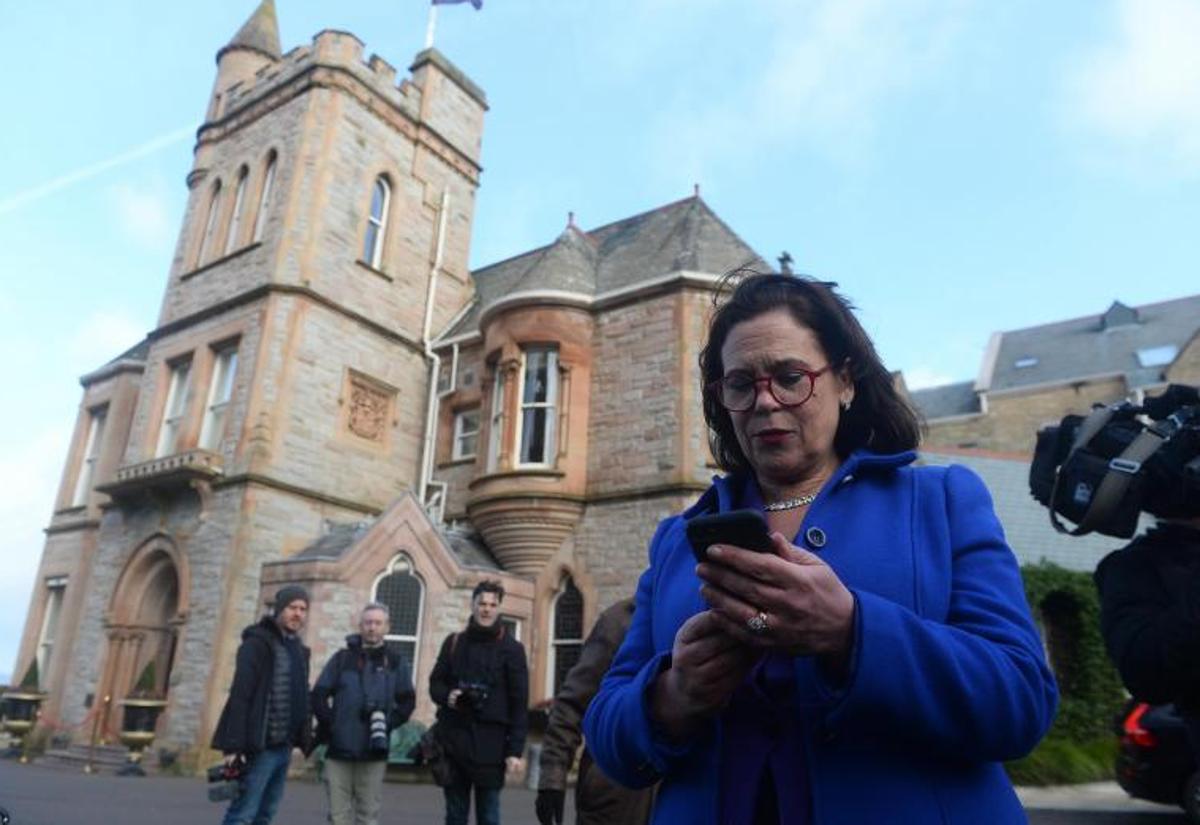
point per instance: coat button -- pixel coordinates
(815, 537)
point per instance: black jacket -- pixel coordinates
(353, 679)
(479, 739)
(242, 727)
(1150, 615)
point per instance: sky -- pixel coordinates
(958, 167)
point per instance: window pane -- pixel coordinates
(467, 445)
(378, 199)
(369, 243)
(565, 657)
(405, 650)
(401, 592)
(536, 385)
(533, 436)
(568, 613)
(265, 200)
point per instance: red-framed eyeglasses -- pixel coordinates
(790, 387)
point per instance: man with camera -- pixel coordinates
(363, 693)
(480, 684)
(267, 713)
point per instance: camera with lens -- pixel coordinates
(377, 729)
(225, 780)
(1103, 470)
(473, 696)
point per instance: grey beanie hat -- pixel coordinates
(287, 594)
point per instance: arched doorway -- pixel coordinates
(146, 615)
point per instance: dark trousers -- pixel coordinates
(262, 788)
(458, 803)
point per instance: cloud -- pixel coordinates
(825, 76)
(1140, 91)
(923, 377)
(31, 469)
(101, 337)
(143, 213)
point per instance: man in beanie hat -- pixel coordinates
(267, 712)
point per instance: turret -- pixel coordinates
(255, 46)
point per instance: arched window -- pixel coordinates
(210, 223)
(403, 593)
(235, 220)
(264, 200)
(566, 619)
(377, 222)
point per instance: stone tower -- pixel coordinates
(286, 383)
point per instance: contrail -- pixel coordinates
(11, 202)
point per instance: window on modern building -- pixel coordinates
(381, 194)
(403, 594)
(539, 402)
(567, 623)
(496, 424)
(220, 390)
(91, 451)
(264, 199)
(55, 589)
(466, 433)
(210, 224)
(178, 392)
(235, 220)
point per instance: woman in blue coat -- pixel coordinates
(881, 662)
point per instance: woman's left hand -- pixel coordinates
(807, 609)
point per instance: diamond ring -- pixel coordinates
(758, 623)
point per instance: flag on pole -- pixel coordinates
(478, 4)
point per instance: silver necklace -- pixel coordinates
(790, 503)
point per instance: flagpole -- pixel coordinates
(430, 26)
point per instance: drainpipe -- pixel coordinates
(435, 363)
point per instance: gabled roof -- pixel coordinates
(682, 236)
(1107, 344)
(947, 400)
(260, 33)
(468, 546)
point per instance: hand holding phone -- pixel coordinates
(740, 528)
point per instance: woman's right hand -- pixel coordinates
(707, 665)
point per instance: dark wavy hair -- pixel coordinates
(879, 419)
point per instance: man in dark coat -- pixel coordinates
(363, 692)
(480, 684)
(267, 713)
(598, 800)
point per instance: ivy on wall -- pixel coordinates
(1067, 607)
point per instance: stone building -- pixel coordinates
(331, 397)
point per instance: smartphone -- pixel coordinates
(741, 528)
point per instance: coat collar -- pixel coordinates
(727, 490)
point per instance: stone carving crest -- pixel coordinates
(368, 411)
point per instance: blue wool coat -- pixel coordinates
(946, 680)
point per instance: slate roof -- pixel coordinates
(260, 33)
(1095, 345)
(684, 235)
(466, 544)
(947, 400)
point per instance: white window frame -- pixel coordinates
(264, 200)
(210, 224)
(220, 392)
(496, 423)
(377, 222)
(549, 408)
(461, 433)
(91, 452)
(555, 642)
(56, 589)
(174, 408)
(403, 564)
(235, 219)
